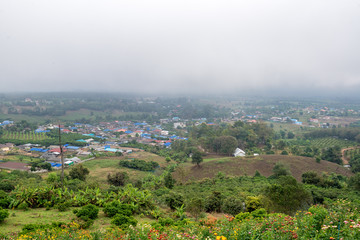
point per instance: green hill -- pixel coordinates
(264, 164)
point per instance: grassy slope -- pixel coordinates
(100, 168)
(264, 164)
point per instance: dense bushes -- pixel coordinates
(233, 205)
(118, 179)
(4, 199)
(287, 195)
(78, 172)
(139, 164)
(88, 212)
(3, 214)
(121, 213)
(123, 221)
(116, 207)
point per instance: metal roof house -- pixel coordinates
(239, 153)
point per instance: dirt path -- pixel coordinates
(343, 158)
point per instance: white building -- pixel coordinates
(239, 153)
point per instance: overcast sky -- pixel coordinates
(179, 46)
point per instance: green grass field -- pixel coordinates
(18, 218)
(100, 168)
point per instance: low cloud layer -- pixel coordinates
(179, 46)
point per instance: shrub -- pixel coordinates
(280, 170)
(174, 200)
(7, 186)
(62, 207)
(241, 216)
(287, 195)
(24, 206)
(252, 203)
(119, 179)
(123, 221)
(4, 199)
(214, 202)
(87, 212)
(195, 206)
(310, 178)
(166, 221)
(78, 172)
(139, 164)
(3, 214)
(233, 205)
(284, 153)
(32, 227)
(169, 181)
(259, 213)
(115, 207)
(319, 214)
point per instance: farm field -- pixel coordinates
(331, 142)
(29, 136)
(248, 165)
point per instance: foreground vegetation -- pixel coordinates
(338, 221)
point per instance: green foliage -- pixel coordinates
(319, 214)
(123, 221)
(197, 158)
(332, 154)
(310, 178)
(89, 211)
(281, 170)
(233, 205)
(284, 153)
(3, 214)
(5, 200)
(169, 181)
(342, 133)
(7, 185)
(243, 215)
(214, 202)
(166, 221)
(116, 207)
(287, 196)
(225, 145)
(195, 206)
(355, 181)
(259, 213)
(23, 206)
(62, 207)
(118, 179)
(252, 203)
(139, 164)
(78, 172)
(174, 200)
(53, 177)
(33, 227)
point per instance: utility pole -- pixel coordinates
(62, 159)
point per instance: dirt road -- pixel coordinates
(343, 158)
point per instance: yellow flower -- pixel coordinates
(220, 238)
